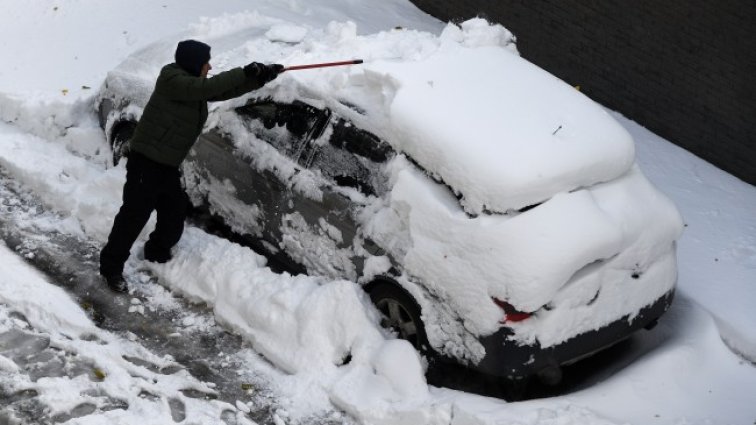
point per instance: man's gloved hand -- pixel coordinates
(272, 71)
(264, 73)
(254, 69)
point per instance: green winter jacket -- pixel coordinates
(177, 111)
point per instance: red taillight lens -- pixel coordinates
(510, 313)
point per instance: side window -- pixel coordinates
(352, 158)
(285, 126)
(360, 142)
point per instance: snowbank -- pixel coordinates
(326, 331)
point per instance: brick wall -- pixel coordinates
(685, 69)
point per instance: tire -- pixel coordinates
(401, 313)
(120, 141)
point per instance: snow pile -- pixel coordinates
(325, 331)
(393, 382)
(80, 187)
(514, 135)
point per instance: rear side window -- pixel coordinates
(359, 142)
(285, 126)
(352, 158)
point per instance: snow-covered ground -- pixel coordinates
(695, 367)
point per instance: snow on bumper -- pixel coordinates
(599, 299)
(503, 358)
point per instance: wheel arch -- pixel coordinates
(396, 285)
(120, 149)
(121, 124)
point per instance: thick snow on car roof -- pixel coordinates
(500, 131)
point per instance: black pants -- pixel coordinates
(150, 186)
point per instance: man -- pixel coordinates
(169, 126)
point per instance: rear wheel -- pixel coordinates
(400, 313)
(120, 143)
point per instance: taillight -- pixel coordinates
(511, 314)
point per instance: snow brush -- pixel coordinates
(322, 65)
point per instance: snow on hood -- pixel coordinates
(500, 131)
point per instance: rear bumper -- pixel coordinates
(504, 358)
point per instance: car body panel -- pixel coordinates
(238, 186)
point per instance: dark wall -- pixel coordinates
(685, 69)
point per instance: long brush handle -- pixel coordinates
(322, 65)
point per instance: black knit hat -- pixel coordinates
(192, 55)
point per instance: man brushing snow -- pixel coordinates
(169, 126)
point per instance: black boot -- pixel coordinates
(116, 283)
(156, 255)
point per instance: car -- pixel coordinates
(494, 214)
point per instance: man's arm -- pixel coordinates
(257, 74)
(250, 84)
(189, 88)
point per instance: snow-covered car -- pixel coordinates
(495, 215)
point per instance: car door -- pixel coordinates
(218, 177)
(279, 133)
(243, 176)
(323, 232)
